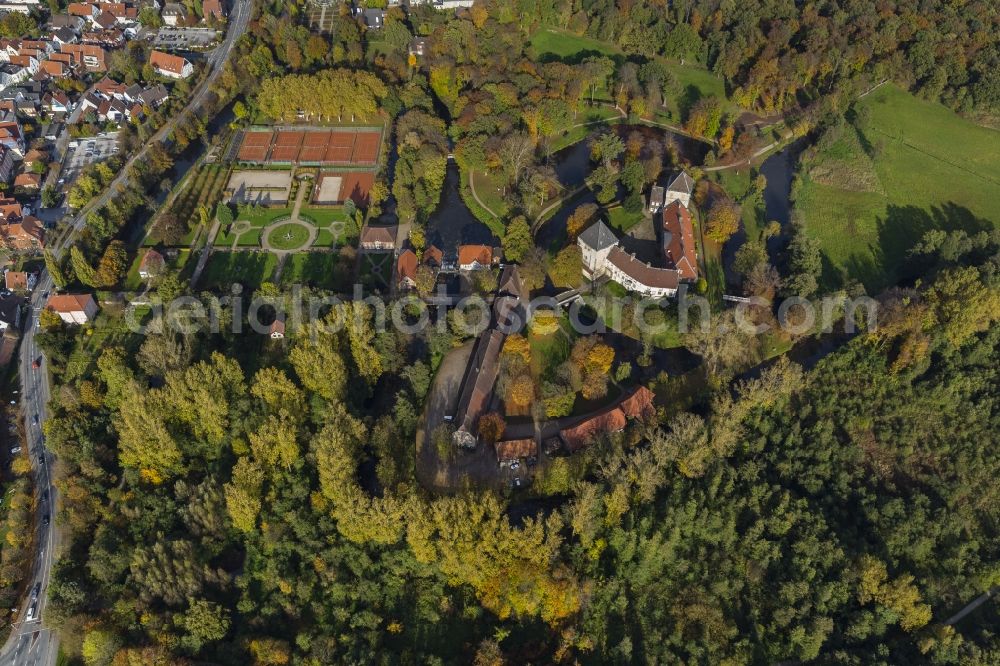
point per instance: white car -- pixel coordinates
(32, 612)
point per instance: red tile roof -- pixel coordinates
(69, 302)
(639, 404)
(433, 256)
(512, 449)
(584, 433)
(469, 254)
(678, 240)
(406, 265)
(167, 62)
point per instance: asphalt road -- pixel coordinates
(31, 643)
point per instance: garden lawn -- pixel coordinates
(248, 268)
(622, 220)
(564, 45)
(324, 270)
(934, 169)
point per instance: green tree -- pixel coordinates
(517, 240)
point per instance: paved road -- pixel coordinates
(30, 643)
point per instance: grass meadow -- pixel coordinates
(912, 166)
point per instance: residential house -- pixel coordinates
(20, 281)
(378, 238)
(7, 164)
(171, 66)
(587, 431)
(418, 45)
(108, 39)
(24, 235)
(277, 329)
(90, 57)
(155, 96)
(433, 256)
(14, 7)
(83, 10)
(374, 18)
(512, 450)
(173, 14)
(56, 102)
(11, 135)
(34, 155)
(74, 23)
(213, 9)
(10, 313)
(73, 308)
(152, 265)
(406, 269)
(64, 36)
(474, 257)
(105, 21)
(54, 69)
(28, 181)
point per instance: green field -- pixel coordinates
(323, 270)
(565, 45)
(248, 268)
(930, 169)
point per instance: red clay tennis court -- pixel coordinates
(337, 187)
(311, 146)
(365, 148)
(255, 146)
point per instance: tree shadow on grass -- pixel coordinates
(898, 232)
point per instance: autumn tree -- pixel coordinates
(580, 219)
(723, 221)
(491, 427)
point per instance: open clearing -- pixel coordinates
(932, 170)
(694, 81)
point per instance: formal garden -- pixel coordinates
(277, 229)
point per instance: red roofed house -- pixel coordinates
(11, 136)
(406, 269)
(171, 66)
(89, 56)
(584, 433)
(678, 240)
(433, 256)
(638, 405)
(82, 9)
(277, 329)
(73, 308)
(19, 280)
(474, 257)
(54, 68)
(212, 8)
(378, 238)
(511, 450)
(22, 234)
(28, 180)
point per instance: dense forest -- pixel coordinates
(229, 498)
(220, 501)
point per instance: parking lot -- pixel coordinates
(184, 38)
(87, 151)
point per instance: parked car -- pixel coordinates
(37, 363)
(35, 590)
(45, 519)
(34, 419)
(515, 465)
(32, 613)
(517, 482)
(14, 450)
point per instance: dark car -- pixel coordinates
(45, 519)
(34, 419)
(35, 590)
